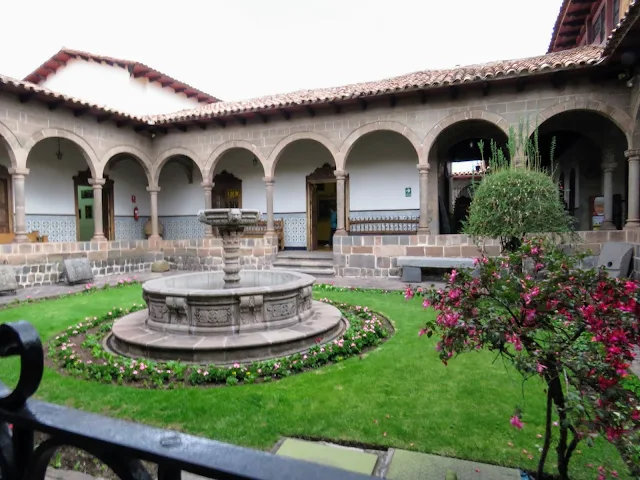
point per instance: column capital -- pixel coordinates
(97, 182)
(153, 189)
(269, 181)
(18, 171)
(424, 167)
(609, 167)
(207, 185)
(340, 174)
(632, 154)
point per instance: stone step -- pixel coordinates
(304, 255)
(306, 262)
(314, 272)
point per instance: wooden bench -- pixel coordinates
(33, 237)
(412, 266)
(260, 229)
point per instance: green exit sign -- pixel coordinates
(407, 192)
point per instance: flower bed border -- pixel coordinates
(366, 330)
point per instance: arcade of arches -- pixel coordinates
(381, 181)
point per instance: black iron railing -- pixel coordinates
(119, 444)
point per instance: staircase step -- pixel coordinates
(302, 255)
(315, 272)
(309, 262)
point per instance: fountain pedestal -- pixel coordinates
(230, 223)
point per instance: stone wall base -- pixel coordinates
(39, 264)
(376, 256)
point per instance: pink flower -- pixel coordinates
(453, 276)
(426, 303)
(516, 422)
(541, 368)
(408, 293)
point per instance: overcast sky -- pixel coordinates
(236, 49)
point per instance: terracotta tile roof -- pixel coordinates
(20, 87)
(622, 28)
(564, 60)
(137, 69)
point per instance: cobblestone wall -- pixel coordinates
(360, 256)
(41, 263)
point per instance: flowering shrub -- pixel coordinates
(575, 329)
(365, 330)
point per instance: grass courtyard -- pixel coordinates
(398, 395)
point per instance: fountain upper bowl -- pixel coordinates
(222, 217)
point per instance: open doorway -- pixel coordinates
(322, 208)
(85, 208)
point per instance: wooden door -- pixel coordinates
(5, 207)
(312, 216)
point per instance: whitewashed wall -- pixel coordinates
(112, 86)
(179, 202)
(381, 166)
(129, 179)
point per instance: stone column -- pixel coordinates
(341, 176)
(20, 227)
(268, 183)
(98, 229)
(608, 169)
(207, 186)
(155, 231)
(633, 202)
(423, 223)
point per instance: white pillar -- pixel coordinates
(423, 223)
(633, 202)
(207, 186)
(98, 228)
(608, 168)
(20, 228)
(155, 231)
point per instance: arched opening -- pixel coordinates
(383, 163)
(305, 195)
(180, 198)
(58, 197)
(6, 194)
(237, 181)
(129, 179)
(580, 145)
(459, 157)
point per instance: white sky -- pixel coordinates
(236, 49)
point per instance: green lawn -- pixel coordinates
(398, 395)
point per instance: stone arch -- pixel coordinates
(135, 152)
(216, 155)
(87, 151)
(381, 126)
(12, 143)
(619, 118)
(165, 156)
(446, 122)
(294, 137)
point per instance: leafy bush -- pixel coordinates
(509, 204)
(575, 329)
(515, 200)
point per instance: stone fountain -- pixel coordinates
(229, 316)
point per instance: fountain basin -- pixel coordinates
(193, 318)
(197, 303)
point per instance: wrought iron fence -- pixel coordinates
(383, 226)
(119, 444)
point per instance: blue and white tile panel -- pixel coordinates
(182, 227)
(129, 229)
(295, 228)
(60, 228)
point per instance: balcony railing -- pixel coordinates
(119, 444)
(383, 226)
